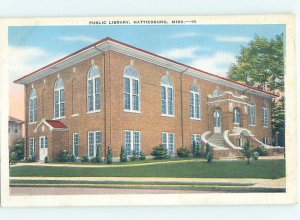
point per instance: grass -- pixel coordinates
(268, 169)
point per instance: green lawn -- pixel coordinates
(268, 169)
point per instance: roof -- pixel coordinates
(13, 119)
(56, 124)
(112, 44)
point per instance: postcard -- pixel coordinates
(183, 110)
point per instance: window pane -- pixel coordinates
(76, 144)
(164, 140)
(197, 106)
(128, 142)
(91, 144)
(97, 85)
(171, 143)
(135, 87)
(135, 102)
(56, 97)
(192, 105)
(90, 87)
(46, 142)
(127, 85)
(170, 101)
(127, 101)
(137, 143)
(62, 95)
(97, 104)
(62, 109)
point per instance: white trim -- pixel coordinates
(95, 111)
(74, 145)
(170, 116)
(74, 115)
(196, 119)
(62, 117)
(132, 111)
(227, 100)
(95, 146)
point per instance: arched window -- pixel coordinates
(236, 116)
(59, 99)
(252, 113)
(32, 106)
(195, 102)
(131, 89)
(265, 115)
(167, 96)
(217, 92)
(94, 89)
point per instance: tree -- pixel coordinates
(109, 156)
(19, 149)
(248, 151)
(278, 122)
(208, 153)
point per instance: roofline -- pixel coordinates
(144, 51)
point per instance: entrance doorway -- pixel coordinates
(218, 121)
(43, 147)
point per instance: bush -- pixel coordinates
(255, 155)
(99, 155)
(64, 156)
(32, 158)
(19, 149)
(183, 152)
(196, 148)
(135, 156)
(109, 156)
(209, 153)
(46, 159)
(72, 158)
(123, 156)
(142, 156)
(85, 158)
(248, 151)
(12, 157)
(159, 152)
(262, 151)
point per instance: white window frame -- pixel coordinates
(74, 143)
(33, 107)
(196, 138)
(93, 78)
(61, 103)
(166, 101)
(16, 129)
(94, 143)
(45, 143)
(265, 116)
(252, 114)
(132, 74)
(194, 92)
(132, 142)
(168, 143)
(31, 146)
(266, 140)
(235, 116)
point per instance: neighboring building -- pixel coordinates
(14, 131)
(114, 94)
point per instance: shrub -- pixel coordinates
(99, 154)
(63, 156)
(135, 156)
(19, 149)
(183, 152)
(72, 158)
(123, 156)
(159, 152)
(209, 153)
(109, 156)
(142, 156)
(32, 158)
(12, 157)
(196, 149)
(85, 158)
(262, 151)
(247, 151)
(46, 159)
(255, 155)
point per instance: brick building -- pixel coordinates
(113, 94)
(14, 131)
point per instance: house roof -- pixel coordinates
(13, 119)
(112, 44)
(56, 124)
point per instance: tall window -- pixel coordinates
(252, 114)
(266, 140)
(94, 89)
(168, 142)
(196, 138)
(131, 89)
(59, 99)
(32, 106)
(76, 144)
(32, 146)
(265, 115)
(132, 142)
(195, 102)
(95, 141)
(167, 96)
(236, 116)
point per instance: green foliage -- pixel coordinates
(278, 121)
(32, 158)
(46, 159)
(72, 158)
(142, 156)
(99, 154)
(109, 156)
(196, 148)
(183, 152)
(19, 149)
(255, 155)
(262, 151)
(12, 157)
(159, 152)
(63, 156)
(209, 153)
(123, 156)
(261, 64)
(135, 156)
(85, 158)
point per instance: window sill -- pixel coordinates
(132, 111)
(74, 115)
(252, 125)
(196, 119)
(59, 118)
(91, 112)
(170, 116)
(265, 126)
(32, 123)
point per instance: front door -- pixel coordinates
(43, 145)
(218, 121)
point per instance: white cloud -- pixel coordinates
(217, 64)
(240, 39)
(179, 53)
(78, 38)
(185, 35)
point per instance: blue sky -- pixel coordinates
(208, 47)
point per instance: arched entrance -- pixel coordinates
(217, 120)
